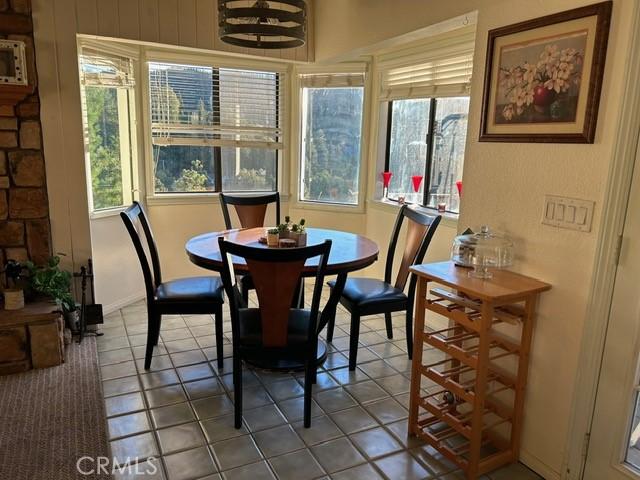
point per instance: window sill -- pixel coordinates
(194, 198)
(449, 219)
(111, 212)
(327, 207)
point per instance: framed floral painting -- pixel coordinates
(544, 76)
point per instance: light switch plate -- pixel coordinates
(570, 213)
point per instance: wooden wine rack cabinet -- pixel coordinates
(471, 409)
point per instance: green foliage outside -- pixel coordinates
(184, 97)
(332, 156)
(104, 146)
(193, 179)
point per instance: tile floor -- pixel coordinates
(177, 418)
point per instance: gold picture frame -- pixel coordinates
(544, 76)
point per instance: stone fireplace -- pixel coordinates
(25, 232)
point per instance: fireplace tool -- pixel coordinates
(90, 314)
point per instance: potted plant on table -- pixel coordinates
(299, 233)
(273, 237)
(51, 281)
(285, 228)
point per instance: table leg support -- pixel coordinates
(328, 316)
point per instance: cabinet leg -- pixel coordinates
(416, 362)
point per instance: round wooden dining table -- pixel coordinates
(349, 252)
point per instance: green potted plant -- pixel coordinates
(299, 233)
(51, 281)
(283, 230)
(273, 237)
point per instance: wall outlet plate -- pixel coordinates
(570, 213)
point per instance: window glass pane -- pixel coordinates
(408, 147)
(450, 135)
(332, 128)
(633, 449)
(182, 168)
(214, 123)
(103, 146)
(248, 104)
(248, 169)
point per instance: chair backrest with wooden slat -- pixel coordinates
(420, 230)
(276, 274)
(135, 219)
(251, 209)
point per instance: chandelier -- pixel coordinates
(274, 24)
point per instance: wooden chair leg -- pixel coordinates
(153, 333)
(301, 293)
(298, 296)
(353, 340)
(219, 337)
(309, 370)
(157, 331)
(330, 326)
(409, 327)
(237, 391)
(245, 292)
(314, 360)
(388, 324)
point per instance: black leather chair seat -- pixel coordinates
(251, 327)
(190, 289)
(365, 292)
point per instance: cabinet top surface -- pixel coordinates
(504, 284)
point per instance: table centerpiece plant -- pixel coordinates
(299, 233)
(273, 237)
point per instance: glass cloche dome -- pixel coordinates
(482, 251)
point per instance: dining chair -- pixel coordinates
(371, 296)
(182, 296)
(251, 211)
(274, 329)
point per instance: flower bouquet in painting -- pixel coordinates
(541, 83)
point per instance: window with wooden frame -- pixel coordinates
(108, 113)
(214, 129)
(331, 136)
(424, 91)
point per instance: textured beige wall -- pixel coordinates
(342, 26)
(505, 184)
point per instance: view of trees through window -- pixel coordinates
(104, 145)
(332, 130)
(213, 129)
(415, 123)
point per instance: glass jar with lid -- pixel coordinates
(483, 251)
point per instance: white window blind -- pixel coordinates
(98, 68)
(440, 67)
(331, 80)
(202, 105)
